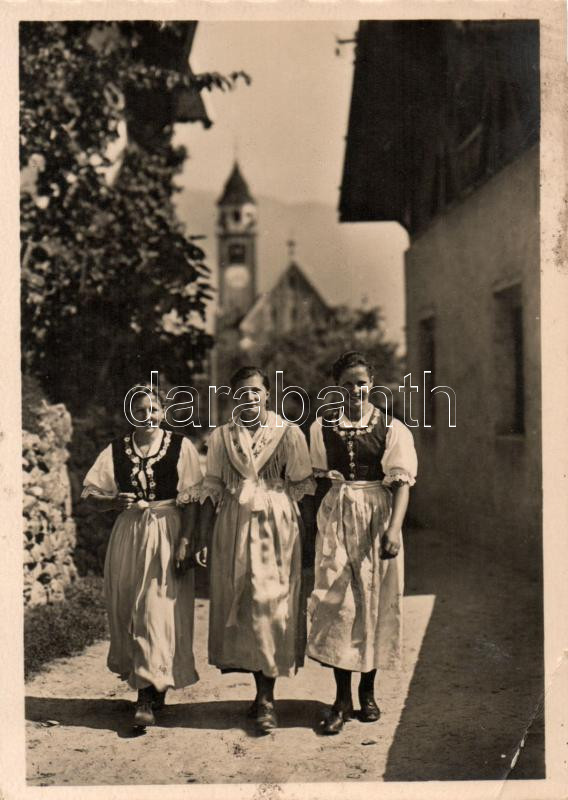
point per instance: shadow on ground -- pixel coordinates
(116, 715)
(478, 682)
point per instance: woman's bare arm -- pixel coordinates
(392, 538)
(121, 502)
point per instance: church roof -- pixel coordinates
(236, 191)
(292, 277)
(295, 276)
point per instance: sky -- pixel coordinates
(289, 125)
(288, 130)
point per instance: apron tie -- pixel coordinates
(344, 511)
(148, 511)
(257, 496)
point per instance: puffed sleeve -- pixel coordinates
(99, 480)
(189, 473)
(399, 461)
(299, 473)
(318, 454)
(213, 485)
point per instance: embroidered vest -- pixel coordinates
(160, 469)
(357, 452)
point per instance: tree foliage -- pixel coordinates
(111, 284)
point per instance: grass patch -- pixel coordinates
(64, 629)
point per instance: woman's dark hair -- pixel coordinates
(247, 372)
(352, 358)
(157, 394)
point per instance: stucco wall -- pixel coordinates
(474, 481)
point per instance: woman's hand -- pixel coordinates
(201, 557)
(201, 551)
(124, 501)
(183, 555)
(391, 542)
(206, 518)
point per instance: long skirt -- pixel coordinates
(150, 608)
(355, 610)
(255, 577)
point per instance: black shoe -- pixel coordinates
(336, 720)
(144, 715)
(266, 717)
(370, 711)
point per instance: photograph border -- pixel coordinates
(554, 347)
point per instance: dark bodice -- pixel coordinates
(357, 452)
(160, 469)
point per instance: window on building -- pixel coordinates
(427, 356)
(237, 215)
(237, 253)
(509, 361)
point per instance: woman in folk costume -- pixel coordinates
(150, 605)
(258, 467)
(366, 469)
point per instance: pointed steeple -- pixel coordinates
(291, 245)
(236, 191)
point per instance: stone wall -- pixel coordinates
(49, 530)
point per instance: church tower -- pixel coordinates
(236, 236)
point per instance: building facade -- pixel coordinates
(447, 114)
(473, 321)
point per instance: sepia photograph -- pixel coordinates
(281, 358)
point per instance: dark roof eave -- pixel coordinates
(399, 106)
(353, 216)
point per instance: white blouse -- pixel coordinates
(99, 480)
(399, 461)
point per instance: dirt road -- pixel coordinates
(467, 697)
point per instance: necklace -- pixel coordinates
(145, 464)
(356, 430)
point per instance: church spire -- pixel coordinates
(291, 245)
(236, 191)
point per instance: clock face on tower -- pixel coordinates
(237, 276)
